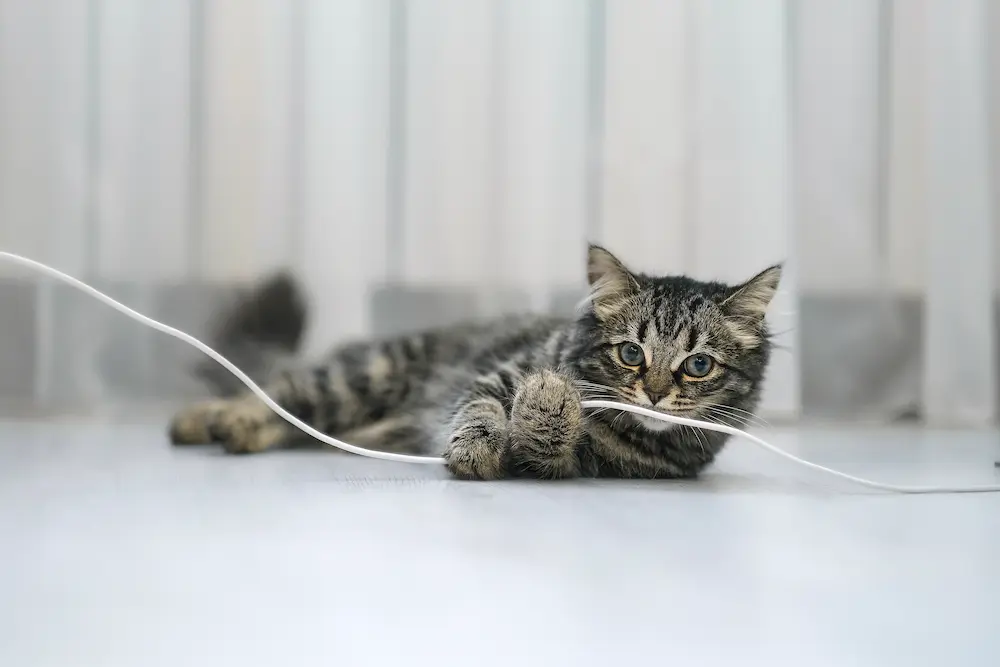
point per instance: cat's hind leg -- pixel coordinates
(359, 384)
(244, 427)
(402, 434)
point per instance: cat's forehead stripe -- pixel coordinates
(641, 333)
(692, 339)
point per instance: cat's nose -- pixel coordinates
(654, 398)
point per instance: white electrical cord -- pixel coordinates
(406, 458)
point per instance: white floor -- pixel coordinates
(117, 550)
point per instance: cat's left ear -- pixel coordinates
(751, 299)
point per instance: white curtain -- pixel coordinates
(428, 160)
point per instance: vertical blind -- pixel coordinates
(442, 158)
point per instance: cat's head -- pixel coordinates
(682, 346)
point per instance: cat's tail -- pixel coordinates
(261, 333)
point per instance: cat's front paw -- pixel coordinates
(478, 444)
(241, 426)
(546, 426)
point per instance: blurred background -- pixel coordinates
(420, 162)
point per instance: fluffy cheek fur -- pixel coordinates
(731, 392)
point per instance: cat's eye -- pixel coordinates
(698, 365)
(631, 354)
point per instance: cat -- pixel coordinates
(502, 398)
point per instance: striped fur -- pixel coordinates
(502, 398)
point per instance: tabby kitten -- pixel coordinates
(502, 398)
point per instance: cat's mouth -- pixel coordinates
(653, 424)
(659, 425)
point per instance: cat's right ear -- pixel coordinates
(610, 282)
